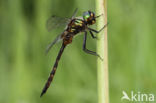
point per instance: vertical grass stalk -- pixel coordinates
(102, 66)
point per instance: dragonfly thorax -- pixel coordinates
(76, 25)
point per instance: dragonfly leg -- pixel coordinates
(93, 36)
(93, 30)
(86, 50)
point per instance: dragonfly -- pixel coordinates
(74, 26)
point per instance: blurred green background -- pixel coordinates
(24, 67)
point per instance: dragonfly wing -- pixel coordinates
(57, 39)
(55, 22)
(74, 14)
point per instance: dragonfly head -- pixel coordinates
(89, 17)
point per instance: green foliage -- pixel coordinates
(24, 67)
(131, 39)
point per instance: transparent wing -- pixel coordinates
(74, 14)
(55, 22)
(57, 39)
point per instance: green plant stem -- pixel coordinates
(102, 66)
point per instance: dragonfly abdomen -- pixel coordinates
(53, 70)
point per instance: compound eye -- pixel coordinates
(86, 15)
